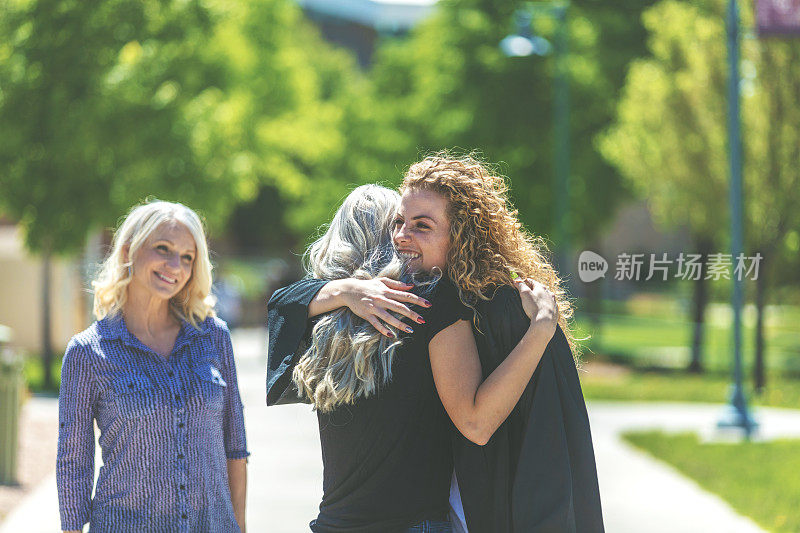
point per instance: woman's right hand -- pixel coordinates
(539, 304)
(375, 299)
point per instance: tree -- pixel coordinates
(775, 190)
(669, 139)
(448, 85)
(94, 112)
(106, 102)
(297, 115)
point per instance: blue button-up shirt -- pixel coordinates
(167, 427)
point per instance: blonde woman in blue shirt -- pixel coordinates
(156, 373)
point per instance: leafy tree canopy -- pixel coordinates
(449, 85)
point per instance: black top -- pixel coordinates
(537, 473)
(387, 459)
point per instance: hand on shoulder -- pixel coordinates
(539, 304)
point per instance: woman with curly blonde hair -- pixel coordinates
(156, 373)
(537, 473)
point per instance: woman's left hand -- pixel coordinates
(539, 304)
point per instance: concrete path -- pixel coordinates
(639, 494)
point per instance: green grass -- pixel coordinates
(654, 330)
(758, 479)
(648, 336)
(661, 342)
(674, 386)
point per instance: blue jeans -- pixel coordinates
(431, 526)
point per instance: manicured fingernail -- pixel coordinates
(408, 329)
(390, 335)
(426, 302)
(420, 320)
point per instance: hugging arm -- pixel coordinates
(287, 322)
(290, 309)
(372, 300)
(478, 407)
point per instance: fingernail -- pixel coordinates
(420, 320)
(408, 329)
(426, 302)
(390, 334)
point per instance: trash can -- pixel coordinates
(11, 383)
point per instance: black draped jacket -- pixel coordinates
(537, 473)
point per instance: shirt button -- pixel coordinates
(183, 486)
(171, 373)
(184, 516)
(177, 397)
(180, 424)
(180, 456)
(130, 385)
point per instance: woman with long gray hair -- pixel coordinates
(348, 358)
(385, 435)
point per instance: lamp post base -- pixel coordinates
(735, 415)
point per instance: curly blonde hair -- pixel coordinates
(193, 303)
(488, 245)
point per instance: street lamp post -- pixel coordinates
(524, 43)
(736, 414)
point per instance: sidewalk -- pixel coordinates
(638, 494)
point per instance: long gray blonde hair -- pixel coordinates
(348, 358)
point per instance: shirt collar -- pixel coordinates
(113, 327)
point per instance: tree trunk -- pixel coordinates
(759, 374)
(700, 301)
(47, 341)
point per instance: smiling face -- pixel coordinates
(422, 229)
(163, 264)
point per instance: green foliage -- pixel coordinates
(757, 478)
(774, 149)
(284, 116)
(96, 112)
(670, 137)
(33, 374)
(104, 103)
(449, 85)
(634, 385)
(642, 340)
